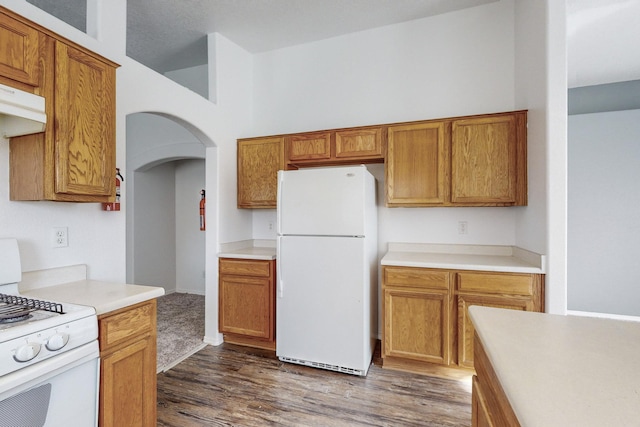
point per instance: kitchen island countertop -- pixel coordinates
(563, 370)
(508, 259)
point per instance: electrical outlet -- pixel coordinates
(60, 237)
(463, 227)
(270, 225)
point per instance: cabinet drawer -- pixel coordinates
(311, 146)
(415, 277)
(359, 143)
(496, 283)
(244, 267)
(126, 323)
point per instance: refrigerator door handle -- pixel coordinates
(278, 202)
(278, 272)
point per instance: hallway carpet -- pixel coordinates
(180, 328)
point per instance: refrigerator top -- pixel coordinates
(336, 201)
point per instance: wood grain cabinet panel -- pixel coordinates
(416, 315)
(259, 161)
(416, 166)
(490, 406)
(515, 291)
(85, 124)
(465, 326)
(74, 159)
(128, 355)
(246, 305)
(468, 161)
(425, 312)
(484, 164)
(335, 147)
(359, 143)
(309, 147)
(19, 45)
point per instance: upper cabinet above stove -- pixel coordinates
(19, 53)
(74, 159)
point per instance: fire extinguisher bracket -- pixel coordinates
(203, 201)
(115, 206)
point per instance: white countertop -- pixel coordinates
(103, 296)
(564, 370)
(249, 249)
(464, 257)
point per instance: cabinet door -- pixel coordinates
(483, 160)
(85, 124)
(416, 324)
(128, 386)
(259, 161)
(417, 165)
(245, 306)
(309, 147)
(465, 326)
(480, 412)
(359, 144)
(18, 51)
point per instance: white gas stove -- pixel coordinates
(44, 343)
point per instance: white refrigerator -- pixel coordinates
(326, 303)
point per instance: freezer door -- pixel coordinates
(324, 302)
(325, 201)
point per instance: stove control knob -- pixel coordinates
(57, 341)
(27, 352)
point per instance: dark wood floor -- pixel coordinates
(238, 386)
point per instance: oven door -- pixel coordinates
(60, 391)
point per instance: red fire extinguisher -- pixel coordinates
(116, 205)
(203, 201)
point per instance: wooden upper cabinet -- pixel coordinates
(259, 161)
(484, 160)
(74, 159)
(19, 44)
(359, 143)
(335, 147)
(417, 164)
(309, 146)
(467, 161)
(85, 123)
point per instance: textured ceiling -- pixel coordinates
(603, 36)
(169, 34)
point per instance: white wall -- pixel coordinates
(452, 64)
(190, 242)
(542, 89)
(193, 78)
(98, 239)
(155, 219)
(170, 248)
(604, 207)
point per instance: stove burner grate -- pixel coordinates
(15, 308)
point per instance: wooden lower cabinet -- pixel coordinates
(425, 312)
(246, 305)
(417, 315)
(489, 404)
(127, 340)
(501, 290)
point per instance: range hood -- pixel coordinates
(21, 113)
